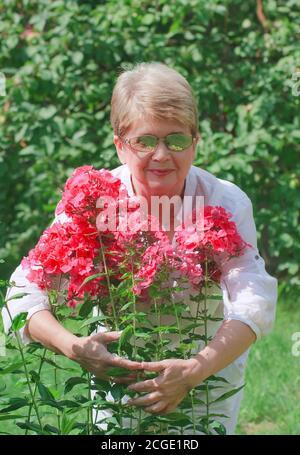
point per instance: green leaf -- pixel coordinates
(67, 424)
(45, 392)
(217, 378)
(54, 364)
(86, 308)
(93, 320)
(2, 389)
(228, 394)
(30, 426)
(90, 278)
(127, 305)
(19, 321)
(203, 387)
(10, 417)
(51, 429)
(117, 391)
(68, 404)
(15, 403)
(35, 377)
(214, 297)
(177, 418)
(13, 368)
(218, 427)
(125, 336)
(71, 382)
(52, 403)
(17, 296)
(47, 112)
(77, 57)
(148, 19)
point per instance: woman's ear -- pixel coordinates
(120, 151)
(198, 139)
(195, 143)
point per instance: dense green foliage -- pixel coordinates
(61, 59)
(269, 405)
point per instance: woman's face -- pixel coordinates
(145, 180)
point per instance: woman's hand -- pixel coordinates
(91, 353)
(177, 377)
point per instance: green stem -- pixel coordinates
(56, 384)
(180, 338)
(54, 311)
(163, 427)
(116, 322)
(109, 285)
(135, 350)
(206, 343)
(35, 387)
(97, 409)
(192, 392)
(160, 346)
(26, 370)
(90, 428)
(158, 342)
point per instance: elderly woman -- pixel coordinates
(155, 121)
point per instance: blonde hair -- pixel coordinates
(155, 90)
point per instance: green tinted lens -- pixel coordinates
(144, 143)
(179, 142)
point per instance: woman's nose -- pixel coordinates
(162, 153)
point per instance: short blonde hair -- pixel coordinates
(155, 90)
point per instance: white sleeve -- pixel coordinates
(249, 292)
(35, 301)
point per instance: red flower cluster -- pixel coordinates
(210, 238)
(84, 188)
(73, 248)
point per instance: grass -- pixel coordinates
(272, 393)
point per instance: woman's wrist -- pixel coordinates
(66, 344)
(197, 372)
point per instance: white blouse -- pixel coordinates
(249, 293)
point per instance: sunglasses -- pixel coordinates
(176, 142)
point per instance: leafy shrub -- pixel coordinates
(61, 60)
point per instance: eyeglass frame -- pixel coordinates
(126, 141)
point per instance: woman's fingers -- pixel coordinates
(106, 337)
(145, 386)
(118, 361)
(146, 400)
(114, 359)
(157, 407)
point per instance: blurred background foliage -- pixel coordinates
(61, 59)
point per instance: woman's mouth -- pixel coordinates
(161, 171)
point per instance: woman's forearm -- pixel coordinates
(231, 340)
(44, 328)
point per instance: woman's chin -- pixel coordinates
(160, 187)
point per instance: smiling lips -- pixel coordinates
(161, 171)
